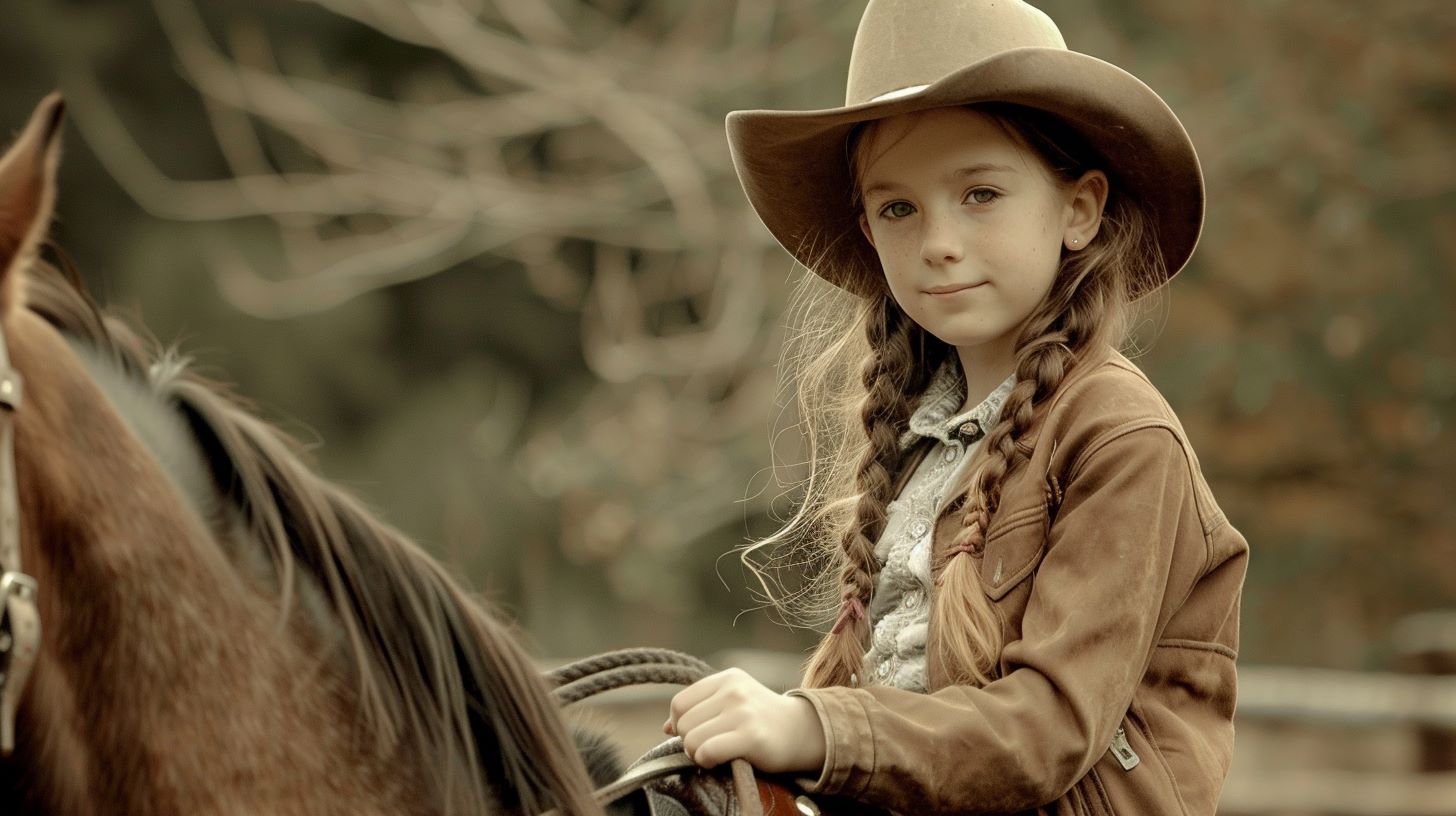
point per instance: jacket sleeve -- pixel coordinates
(1098, 602)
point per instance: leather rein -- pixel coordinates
(19, 618)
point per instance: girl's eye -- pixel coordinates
(982, 195)
(897, 209)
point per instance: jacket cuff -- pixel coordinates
(849, 744)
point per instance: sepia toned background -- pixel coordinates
(491, 261)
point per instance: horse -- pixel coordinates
(225, 631)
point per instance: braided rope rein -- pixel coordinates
(588, 677)
(593, 675)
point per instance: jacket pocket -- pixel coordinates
(1017, 542)
(1133, 777)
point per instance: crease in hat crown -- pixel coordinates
(903, 46)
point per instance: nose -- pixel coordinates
(940, 242)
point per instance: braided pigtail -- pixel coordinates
(884, 411)
(965, 628)
(1087, 306)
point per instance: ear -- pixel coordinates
(864, 226)
(27, 196)
(1084, 210)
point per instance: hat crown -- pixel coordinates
(907, 44)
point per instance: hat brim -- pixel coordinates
(795, 171)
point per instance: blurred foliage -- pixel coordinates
(578, 418)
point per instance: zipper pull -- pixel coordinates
(1126, 757)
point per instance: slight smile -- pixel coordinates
(952, 288)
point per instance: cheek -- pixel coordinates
(1042, 266)
(902, 291)
(1027, 254)
(896, 261)
(894, 246)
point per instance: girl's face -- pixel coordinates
(969, 225)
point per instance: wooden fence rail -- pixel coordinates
(1346, 697)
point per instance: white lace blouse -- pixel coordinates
(900, 612)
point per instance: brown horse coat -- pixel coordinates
(225, 631)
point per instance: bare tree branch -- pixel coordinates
(559, 126)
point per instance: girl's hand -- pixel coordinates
(731, 715)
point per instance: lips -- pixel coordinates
(951, 288)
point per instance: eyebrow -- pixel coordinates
(954, 175)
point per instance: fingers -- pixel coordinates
(720, 749)
(715, 717)
(708, 709)
(721, 739)
(699, 693)
(730, 715)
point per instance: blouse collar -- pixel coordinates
(947, 391)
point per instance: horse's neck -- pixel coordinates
(177, 657)
(159, 428)
(172, 445)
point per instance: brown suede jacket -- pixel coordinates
(1119, 581)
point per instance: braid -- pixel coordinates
(1081, 311)
(965, 627)
(1041, 365)
(1086, 307)
(884, 411)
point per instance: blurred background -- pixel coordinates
(490, 259)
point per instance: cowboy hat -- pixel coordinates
(913, 55)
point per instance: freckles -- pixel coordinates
(903, 254)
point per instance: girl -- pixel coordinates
(1037, 596)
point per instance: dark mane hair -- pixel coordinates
(437, 673)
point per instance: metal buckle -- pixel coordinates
(18, 584)
(19, 645)
(10, 390)
(21, 586)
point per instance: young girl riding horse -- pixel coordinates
(1038, 598)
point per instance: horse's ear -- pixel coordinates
(27, 196)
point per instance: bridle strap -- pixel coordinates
(19, 618)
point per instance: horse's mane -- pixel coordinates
(437, 673)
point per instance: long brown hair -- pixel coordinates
(854, 425)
